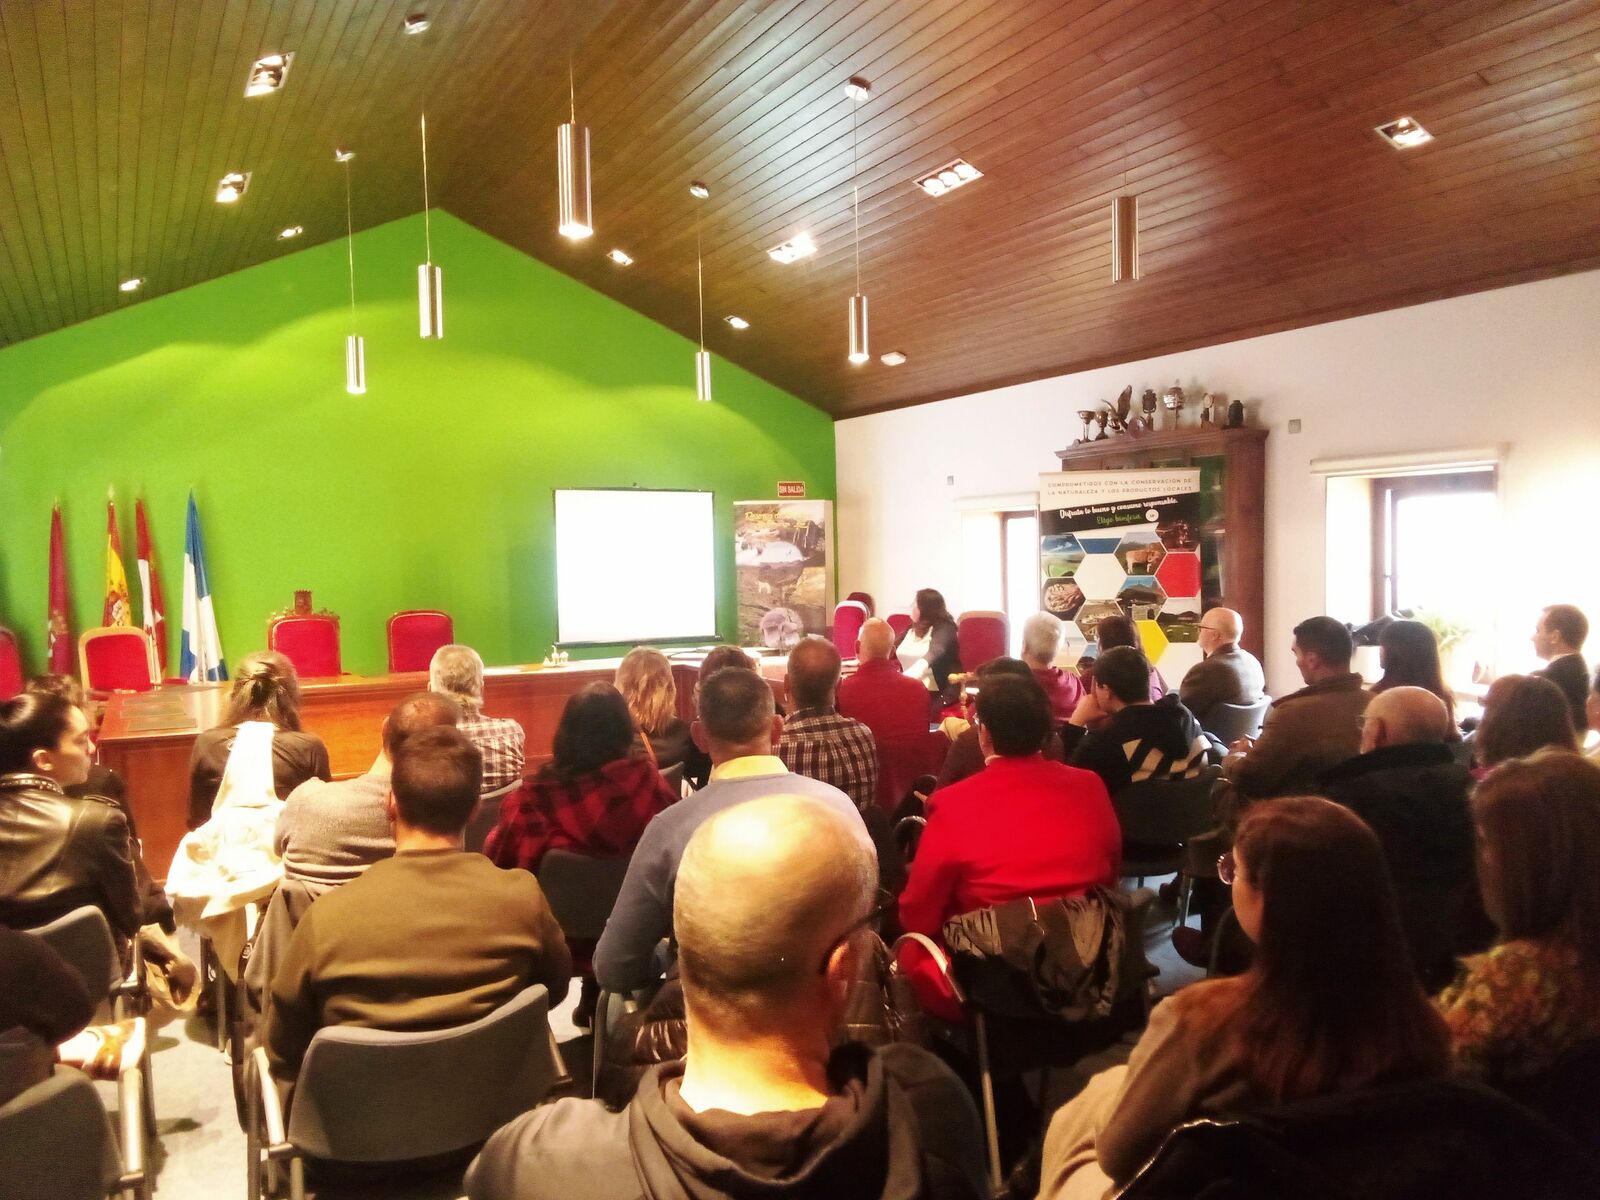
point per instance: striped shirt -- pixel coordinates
(820, 744)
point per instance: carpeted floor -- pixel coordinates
(200, 1153)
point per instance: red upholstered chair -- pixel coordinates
(415, 634)
(117, 659)
(310, 642)
(902, 760)
(982, 636)
(848, 618)
(10, 665)
(866, 599)
(899, 622)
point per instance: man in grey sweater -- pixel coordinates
(738, 727)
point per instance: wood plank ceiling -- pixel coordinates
(1245, 126)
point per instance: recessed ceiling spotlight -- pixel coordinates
(949, 177)
(737, 322)
(699, 190)
(892, 359)
(1404, 133)
(858, 89)
(292, 232)
(619, 257)
(131, 285)
(267, 74)
(232, 186)
(416, 23)
(798, 247)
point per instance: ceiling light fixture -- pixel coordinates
(956, 173)
(416, 23)
(1404, 133)
(892, 359)
(232, 186)
(131, 285)
(619, 257)
(575, 219)
(430, 279)
(292, 232)
(1124, 238)
(267, 74)
(859, 91)
(699, 190)
(355, 346)
(702, 357)
(798, 247)
(737, 322)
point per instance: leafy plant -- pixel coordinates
(1449, 631)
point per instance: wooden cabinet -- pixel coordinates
(1233, 475)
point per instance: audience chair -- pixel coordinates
(848, 618)
(414, 635)
(902, 761)
(370, 1095)
(674, 777)
(310, 642)
(487, 816)
(982, 636)
(57, 1141)
(1228, 722)
(1563, 1094)
(117, 658)
(1159, 817)
(899, 622)
(10, 665)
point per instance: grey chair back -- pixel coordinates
(56, 1143)
(487, 817)
(581, 890)
(1226, 722)
(674, 777)
(83, 938)
(1166, 812)
(368, 1095)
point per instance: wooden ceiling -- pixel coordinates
(1245, 126)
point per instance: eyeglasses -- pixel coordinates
(869, 920)
(1227, 868)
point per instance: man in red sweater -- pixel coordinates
(892, 705)
(1023, 826)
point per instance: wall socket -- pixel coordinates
(949, 481)
(1294, 425)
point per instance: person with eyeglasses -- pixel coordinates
(1228, 674)
(774, 897)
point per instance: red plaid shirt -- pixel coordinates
(602, 813)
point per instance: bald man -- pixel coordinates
(1228, 675)
(1407, 785)
(774, 899)
(892, 705)
(818, 741)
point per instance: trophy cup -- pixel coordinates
(1085, 415)
(1209, 411)
(1148, 403)
(1173, 399)
(1100, 421)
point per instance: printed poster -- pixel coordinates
(784, 570)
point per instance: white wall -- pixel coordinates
(1518, 366)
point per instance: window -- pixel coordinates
(1429, 534)
(1019, 571)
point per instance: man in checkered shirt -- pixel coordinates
(457, 672)
(817, 742)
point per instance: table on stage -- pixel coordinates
(147, 737)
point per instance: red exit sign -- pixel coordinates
(792, 490)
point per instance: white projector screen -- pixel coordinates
(635, 566)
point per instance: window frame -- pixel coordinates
(1387, 492)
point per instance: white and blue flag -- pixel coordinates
(200, 656)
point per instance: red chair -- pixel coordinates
(899, 622)
(848, 618)
(902, 760)
(117, 658)
(10, 665)
(414, 635)
(310, 642)
(982, 635)
(866, 599)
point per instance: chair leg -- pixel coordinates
(991, 1124)
(1185, 891)
(254, 1167)
(297, 1178)
(598, 1029)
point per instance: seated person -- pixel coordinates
(1516, 1009)
(457, 672)
(430, 938)
(1022, 826)
(1521, 714)
(1228, 674)
(965, 757)
(773, 902)
(696, 762)
(1111, 632)
(1327, 1007)
(1558, 639)
(59, 853)
(893, 705)
(1138, 740)
(1041, 642)
(817, 742)
(645, 680)
(738, 728)
(1408, 652)
(930, 650)
(329, 833)
(1407, 785)
(265, 688)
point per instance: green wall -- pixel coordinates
(432, 490)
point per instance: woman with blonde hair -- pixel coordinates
(646, 683)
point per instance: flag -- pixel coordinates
(118, 610)
(155, 608)
(59, 633)
(200, 654)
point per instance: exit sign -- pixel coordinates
(792, 490)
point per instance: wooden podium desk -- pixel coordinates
(148, 737)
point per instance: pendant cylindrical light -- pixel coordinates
(355, 365)
(574, 218)
(858, 329)
(1124, 238)
(702, 375)
(702, 357)
(430, 279)
(355, 347)
(859, 91)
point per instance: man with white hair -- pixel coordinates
(891, 704)
(1228, 675)
(1041, 642)
(774, 898)
(457, 672)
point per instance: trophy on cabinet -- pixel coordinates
(1119, 413)
(1085, 415)
(1210, 415)
(1173, 398)
(1235, 415)
(1148, 404)
(1101, 418)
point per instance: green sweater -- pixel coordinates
(424, 940)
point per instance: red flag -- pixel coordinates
(118, 610)
(155, 609)
(58, 635)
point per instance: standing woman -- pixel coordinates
(265, 690)
(929, 651)
(646, 683)
(1409, 654)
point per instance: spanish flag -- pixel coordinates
(119, 610)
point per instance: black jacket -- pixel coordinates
(1571, 674)
(1145, 741)
(108, 785)
(1415, 799)
(296, 757)
(901, 1125)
